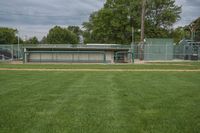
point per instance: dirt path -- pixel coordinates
(102, 70)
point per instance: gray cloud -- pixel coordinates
(47, 12)
(36, 17)
(193, 3)
(32, 17)
(190, 11)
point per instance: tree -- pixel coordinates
(76, 30)
(32, 40)
(88, 29)
(7, 35)
(44, 40)
(58, 35)
(191, 31)
(160, 17)
(162, 13)
(178, 34)
(112, 24)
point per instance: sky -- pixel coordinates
(36, 17)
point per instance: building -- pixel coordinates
(90, 53)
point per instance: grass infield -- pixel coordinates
(99, 102)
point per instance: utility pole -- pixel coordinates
(133, 35)
(143, 20)
(142, 27)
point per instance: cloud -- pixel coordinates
(190, 11)
(36, 17)
(193, 3)
(40, 15)
(47, 12)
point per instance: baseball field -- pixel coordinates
(92, 98)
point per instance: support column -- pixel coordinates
(25, 56)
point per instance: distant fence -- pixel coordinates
(164, 52)
(148, 52)
(10, 52)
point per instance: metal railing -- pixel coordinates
(106, 46)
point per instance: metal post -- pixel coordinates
(40, 58)
(133, 54)
(18, 46)
(166, 53)
(12, 52)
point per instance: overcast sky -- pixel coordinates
(36, 17)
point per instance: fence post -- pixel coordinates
(12, 52)
(166, 52)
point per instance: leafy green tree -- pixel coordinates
(7, 35)
(178, 34)
(32, 40)
(44, 40)
(186, 32)
(16, 40)
(58, 35)
(162, 13)
(88, 29)
(160, 17)
(112, 24)
(76, 30)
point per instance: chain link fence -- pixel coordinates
(10, 52)
(152, 50)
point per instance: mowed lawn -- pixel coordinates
(153, 65)
(99, 102)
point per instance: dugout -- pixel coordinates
(91, 53)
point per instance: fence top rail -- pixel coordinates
(76, 46)
(65, 52)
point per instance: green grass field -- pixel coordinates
(100, 102)
(164, 65)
